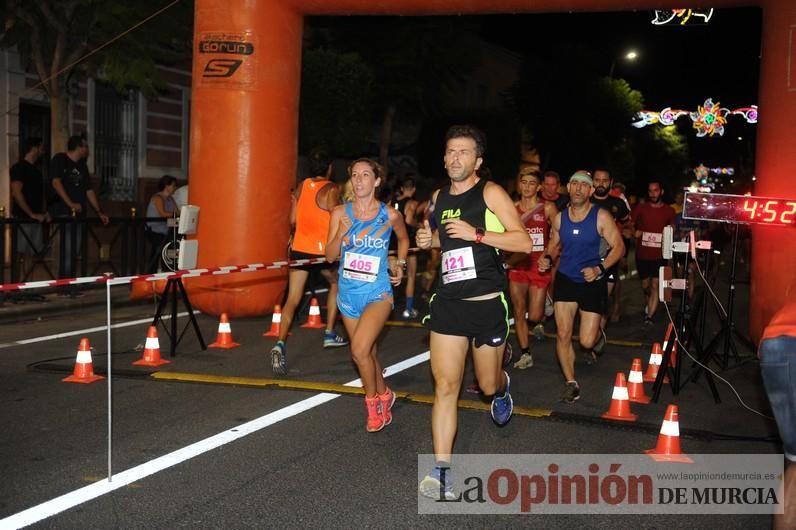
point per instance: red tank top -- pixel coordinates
(538, 230)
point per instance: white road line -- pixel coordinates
(102, 328)
(92, 491)
(85, 331)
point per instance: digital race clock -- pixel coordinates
(739, 209)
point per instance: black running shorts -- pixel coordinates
(591, 297)
(483, 321)
(295, 255)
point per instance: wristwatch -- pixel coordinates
(480, 232)
(402, 263)
(602, 269)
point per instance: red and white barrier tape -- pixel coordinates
(192, 273)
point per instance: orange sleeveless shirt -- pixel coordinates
(312, 222)
(782, 323)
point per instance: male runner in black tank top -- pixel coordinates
(475, 219)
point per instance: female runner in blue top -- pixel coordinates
(359, 236)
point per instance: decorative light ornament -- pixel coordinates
(708, 119)
(680, 16)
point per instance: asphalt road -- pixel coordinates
(316, 468)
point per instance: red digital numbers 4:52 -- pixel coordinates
(740, 209)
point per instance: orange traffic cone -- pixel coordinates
(314, 321)
(84, 368)
(635, 384)
(276, 321)
(656, 358)
(620, 406)
(668, 448)
(151, 350)
(673, 356)
(224, 337)
(667, 336)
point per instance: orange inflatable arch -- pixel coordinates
(244, 129)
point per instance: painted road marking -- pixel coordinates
(92, 491)
(86, 331)
(319, 386)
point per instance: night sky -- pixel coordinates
(678, 66)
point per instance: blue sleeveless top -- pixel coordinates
(581, 244)
(363, 257)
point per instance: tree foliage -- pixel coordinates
(416, 63)
(336, 102)
(53, 35)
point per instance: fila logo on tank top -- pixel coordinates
(467, 269)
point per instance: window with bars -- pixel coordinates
(116, 142)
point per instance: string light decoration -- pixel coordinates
(680, 16)
(709, 118)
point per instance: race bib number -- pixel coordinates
(458, 265)
(649, 239)
(538, 242)
(361, 267)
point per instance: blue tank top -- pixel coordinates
(363, 257)
(581, 244)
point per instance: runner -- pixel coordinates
(359, 233)
(649, 220)
(580, 285)
(621, 213)
(476, 218)
(405, 203)
(309, 215)
(527, 285)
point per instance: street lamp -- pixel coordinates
(630, 56)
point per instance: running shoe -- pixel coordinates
(375, 419)
(508, 354)
(571, 392)
(278, 365)
(333, 340)
(526, 361)
(503, 406)
(600, 346)
(589, 357)
(648, 321)
(410, 314)
(438, 485)
(387, 399)
(538, 331)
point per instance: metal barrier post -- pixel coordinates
(84, 246)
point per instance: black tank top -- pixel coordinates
(468, 269)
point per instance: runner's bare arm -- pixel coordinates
(607, 228)
(425, 236)
(399, 227)
(550, 211)
(339, 223)
(553, 246)
(514, 239)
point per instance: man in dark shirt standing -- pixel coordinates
(27, 190)
(621, 213)
(72, 185)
